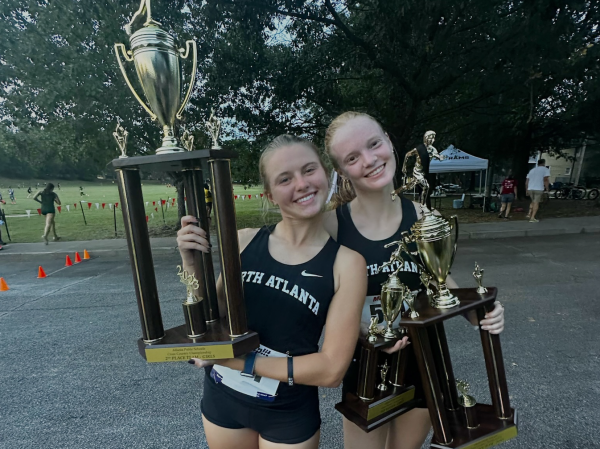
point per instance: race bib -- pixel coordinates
(257, 386)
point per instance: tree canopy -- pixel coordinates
(500, 79)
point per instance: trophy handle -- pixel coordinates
(405, 238)
(120, 48)
(454, 227)
(193, 77)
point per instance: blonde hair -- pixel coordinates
(343, 191)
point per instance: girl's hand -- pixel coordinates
(200, 363)
(494, 320)
(189, 238)
(400, 344)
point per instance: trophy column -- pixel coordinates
(441, 355)
(138, 242)
(494, 364)
(367, 374)
(229, 248)
(431, 385)
(203, 266)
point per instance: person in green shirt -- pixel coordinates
(47, 198)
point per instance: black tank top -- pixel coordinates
(376, 254)
(287, 304)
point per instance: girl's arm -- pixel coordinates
(56, 199)
(325, 368)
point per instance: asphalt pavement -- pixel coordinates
(71, 376)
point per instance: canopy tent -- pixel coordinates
(457, 161)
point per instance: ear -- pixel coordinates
(270, 199)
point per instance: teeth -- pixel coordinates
(306, 198)
(376, 172)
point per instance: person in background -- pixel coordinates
(58, 185)
(208, 198)
(11, 195)
(538, 182)
(48, 198)
(508, 195)
(29, 192)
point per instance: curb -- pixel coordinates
(474, 235)
(492, 235)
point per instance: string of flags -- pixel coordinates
(168, 203)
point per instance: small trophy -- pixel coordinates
(120, 135)
(187, 140)
(373, 403)
(195, 323)
(478, 275)
(214, 128)
(468, 403)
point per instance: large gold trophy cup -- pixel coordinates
(156, 59)
(436, 240)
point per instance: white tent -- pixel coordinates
(457, 161)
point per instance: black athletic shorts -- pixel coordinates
(292, 418)
(411, 377)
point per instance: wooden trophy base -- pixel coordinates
(369, 415)
(491, 430)
(215, 344)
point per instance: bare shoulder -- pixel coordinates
(245, 236)
(330, 223)
(348, 262)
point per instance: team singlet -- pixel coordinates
(376, 255)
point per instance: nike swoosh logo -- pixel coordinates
(304, 273)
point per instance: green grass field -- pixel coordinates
(249, 212)
(100, 222)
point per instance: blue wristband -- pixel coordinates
(249, 365)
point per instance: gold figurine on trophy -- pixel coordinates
(187, 140)
(478, 275)
(467, 402)
(413, 170)
(384, 370)
(213, 124)
(120, 135)
(192, 307)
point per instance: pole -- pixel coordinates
(115, 220)
(83, 213)
(162, 210)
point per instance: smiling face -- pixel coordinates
(364, 154)
(296, 180)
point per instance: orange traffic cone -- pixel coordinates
(86, 255)
(77, 258)
(68, 263)
(41, 273)
(3, 285)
